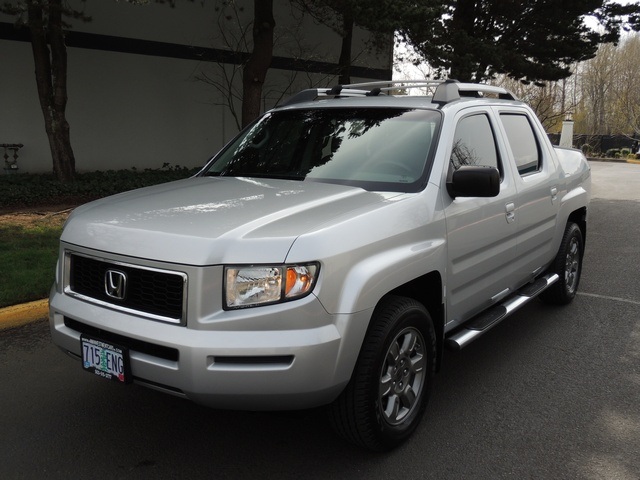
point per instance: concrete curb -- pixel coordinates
(613, 160)
(18, 315)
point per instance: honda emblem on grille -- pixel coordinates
(115, 284)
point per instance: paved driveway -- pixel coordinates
(615, 181)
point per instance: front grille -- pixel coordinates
(153, 292)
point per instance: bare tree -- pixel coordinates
(250, 57)
(610, 88)
(233, 36)
(255, 70)
(627, 88)
(233, 31)
(552, 101)
(597, 86)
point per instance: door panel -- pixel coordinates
(537, 206)
(482, 232)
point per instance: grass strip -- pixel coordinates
(28, 256)
(29, 251)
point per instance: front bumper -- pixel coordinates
(223, 367)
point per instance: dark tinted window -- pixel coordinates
(376, 149)
(522, 140)
(474, 143)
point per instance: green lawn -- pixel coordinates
(29, 243)
(28, 255)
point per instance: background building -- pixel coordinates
(135, 80)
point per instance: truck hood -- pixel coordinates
(214, 220)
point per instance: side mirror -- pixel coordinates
(474, 181)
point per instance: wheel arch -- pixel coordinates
(579, 217)
(427, 289)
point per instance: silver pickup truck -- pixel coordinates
(328, 254)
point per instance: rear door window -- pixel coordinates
(523, 143)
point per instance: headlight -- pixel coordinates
(249, 286)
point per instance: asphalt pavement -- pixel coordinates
(615, 181)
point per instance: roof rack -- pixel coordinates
(442, 91)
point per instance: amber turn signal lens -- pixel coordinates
(299, 280)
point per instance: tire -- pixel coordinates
(388, 392)
(568, 266)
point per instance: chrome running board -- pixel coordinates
(488, 319)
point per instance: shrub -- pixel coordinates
(587, 150)
(613, 153)
(33, 190)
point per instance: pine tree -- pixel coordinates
(532, 40)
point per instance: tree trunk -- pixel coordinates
(50, 58)
(462, 24)
(344, 63)
(255, 71)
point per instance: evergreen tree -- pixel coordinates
(528, 40)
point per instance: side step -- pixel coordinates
(488, 319)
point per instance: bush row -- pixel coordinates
(33, 190)
(621, 153)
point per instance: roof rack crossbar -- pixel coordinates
(394, 84)
(443, 91)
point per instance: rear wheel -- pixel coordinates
(568, 266)
(388, 392)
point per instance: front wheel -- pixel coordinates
(388, 392)
(568, 266)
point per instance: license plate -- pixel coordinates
(105, 359)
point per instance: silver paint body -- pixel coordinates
(367, 244)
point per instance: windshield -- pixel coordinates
(375, 149)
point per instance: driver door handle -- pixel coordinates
(510, 209)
